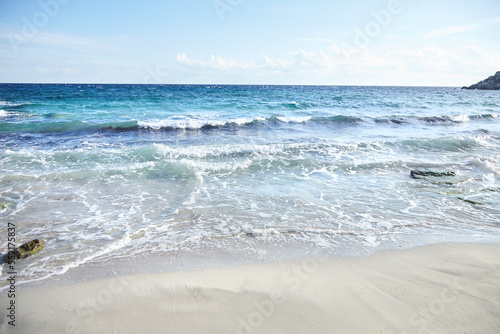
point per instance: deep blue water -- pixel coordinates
(104, 172)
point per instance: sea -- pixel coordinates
(161, 176)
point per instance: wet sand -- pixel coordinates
(445, 288)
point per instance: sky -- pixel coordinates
(314, 42)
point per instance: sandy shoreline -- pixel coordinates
(446, 288)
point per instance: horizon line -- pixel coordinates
(218, 84)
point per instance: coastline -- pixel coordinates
(443, 288)
(178, 179)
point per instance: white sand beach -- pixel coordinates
(446, 288)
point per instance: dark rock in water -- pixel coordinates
(491, 189)
(419, 174)
(443, 178)
(25, 250)
(492, 83)
(32, 247)
(469, 201)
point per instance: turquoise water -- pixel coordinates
(104, 172)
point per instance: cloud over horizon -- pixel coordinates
(392, 63)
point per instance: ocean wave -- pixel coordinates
(448, 144)
(340, 119)
(484, 116)
(433, 120)
(65, 127)
(456, 119)
(55, 123)
(297, 119)
(292, 105)
(13, 105)
(194, 124)
(462, 118)
(486, 165)
(218, 151)
(6, 103)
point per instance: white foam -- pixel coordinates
(205, 151)
(4, 113)
(462, 118)
(10, 104)
(33, 270)
(243, 121)
(485, 166)
(177, 123)
(215, 166)
(193, 123)
(298, 119)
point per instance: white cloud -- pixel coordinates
(455, 30)
(295, 61)
(24, 36)
(449, 31)
(429, 57)
(336, 61)
(16, 40)
(213, 63)
(433, 59)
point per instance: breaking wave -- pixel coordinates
(186, 123)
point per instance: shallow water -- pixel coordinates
(106, 172)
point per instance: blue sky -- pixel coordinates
(388, 42)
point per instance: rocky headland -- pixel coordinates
(492, 83)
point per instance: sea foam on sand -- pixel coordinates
(446, 288)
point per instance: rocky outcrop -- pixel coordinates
(419, 174)
(492, 83)
(25, 250)
(437, 177)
